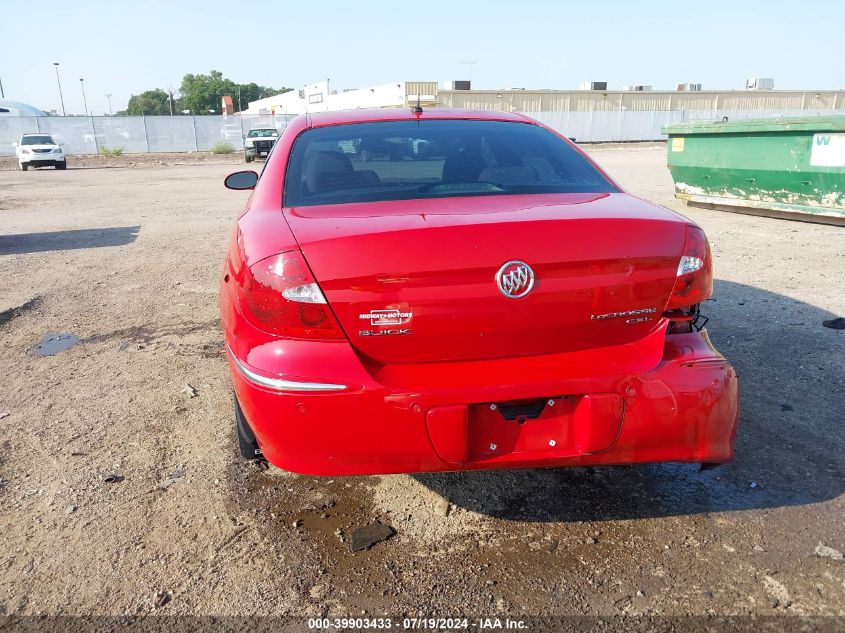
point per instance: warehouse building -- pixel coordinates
(593, 114)
(319, 97)
(626, 100)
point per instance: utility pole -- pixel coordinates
(84, 101)
(239, 99)
(108, 96)
(59, 81)
(170, 98)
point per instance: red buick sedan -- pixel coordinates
(451, 290)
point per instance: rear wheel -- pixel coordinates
(248, 159)
(23, 166)
(61, 165)
(246, 438)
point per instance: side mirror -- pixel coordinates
(241, 180)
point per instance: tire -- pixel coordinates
(23, 166)
(247, 444)
(61, 165)
(248, 159)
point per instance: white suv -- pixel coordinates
(39, 150)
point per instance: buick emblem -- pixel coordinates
(515, 279)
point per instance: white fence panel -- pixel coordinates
(77, 133)
(89, 135)
(126, 133)
(170, 133)
(645, 125)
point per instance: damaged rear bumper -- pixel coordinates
(545, 411)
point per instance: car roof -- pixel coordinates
(36, 134)
(340, 117)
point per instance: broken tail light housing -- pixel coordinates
(280, 295)
(694, 282)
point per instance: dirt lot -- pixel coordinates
(10, 163)
(127, 260)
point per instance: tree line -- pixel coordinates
(198, 94)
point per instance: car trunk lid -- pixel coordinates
(415, 281)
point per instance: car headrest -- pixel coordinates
(323, 164)
(462, 167)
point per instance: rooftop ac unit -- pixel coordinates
(760, 83)
(691, 87)
(593, 85)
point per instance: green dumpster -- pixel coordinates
(787, 167)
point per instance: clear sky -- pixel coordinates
(123, 47)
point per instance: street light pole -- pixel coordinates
(59, 81)
(84, 101)
(108, 96)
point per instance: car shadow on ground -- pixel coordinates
(67, 240)
(789, 451)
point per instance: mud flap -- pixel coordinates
(246, 438)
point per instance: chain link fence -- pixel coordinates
(137, 134)
(646, 125)
(143, 134)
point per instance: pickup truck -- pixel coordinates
(259, 141)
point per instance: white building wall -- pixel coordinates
(285, 103)
(318, 97)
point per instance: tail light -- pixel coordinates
(694, 281)
(281, 296)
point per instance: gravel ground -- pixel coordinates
(127, 260)
(10, 163)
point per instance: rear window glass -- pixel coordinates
(405, 160)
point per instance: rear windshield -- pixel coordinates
(262, 133)
(405, 160)
(37, 139)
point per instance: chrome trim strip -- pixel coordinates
(280, 384)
